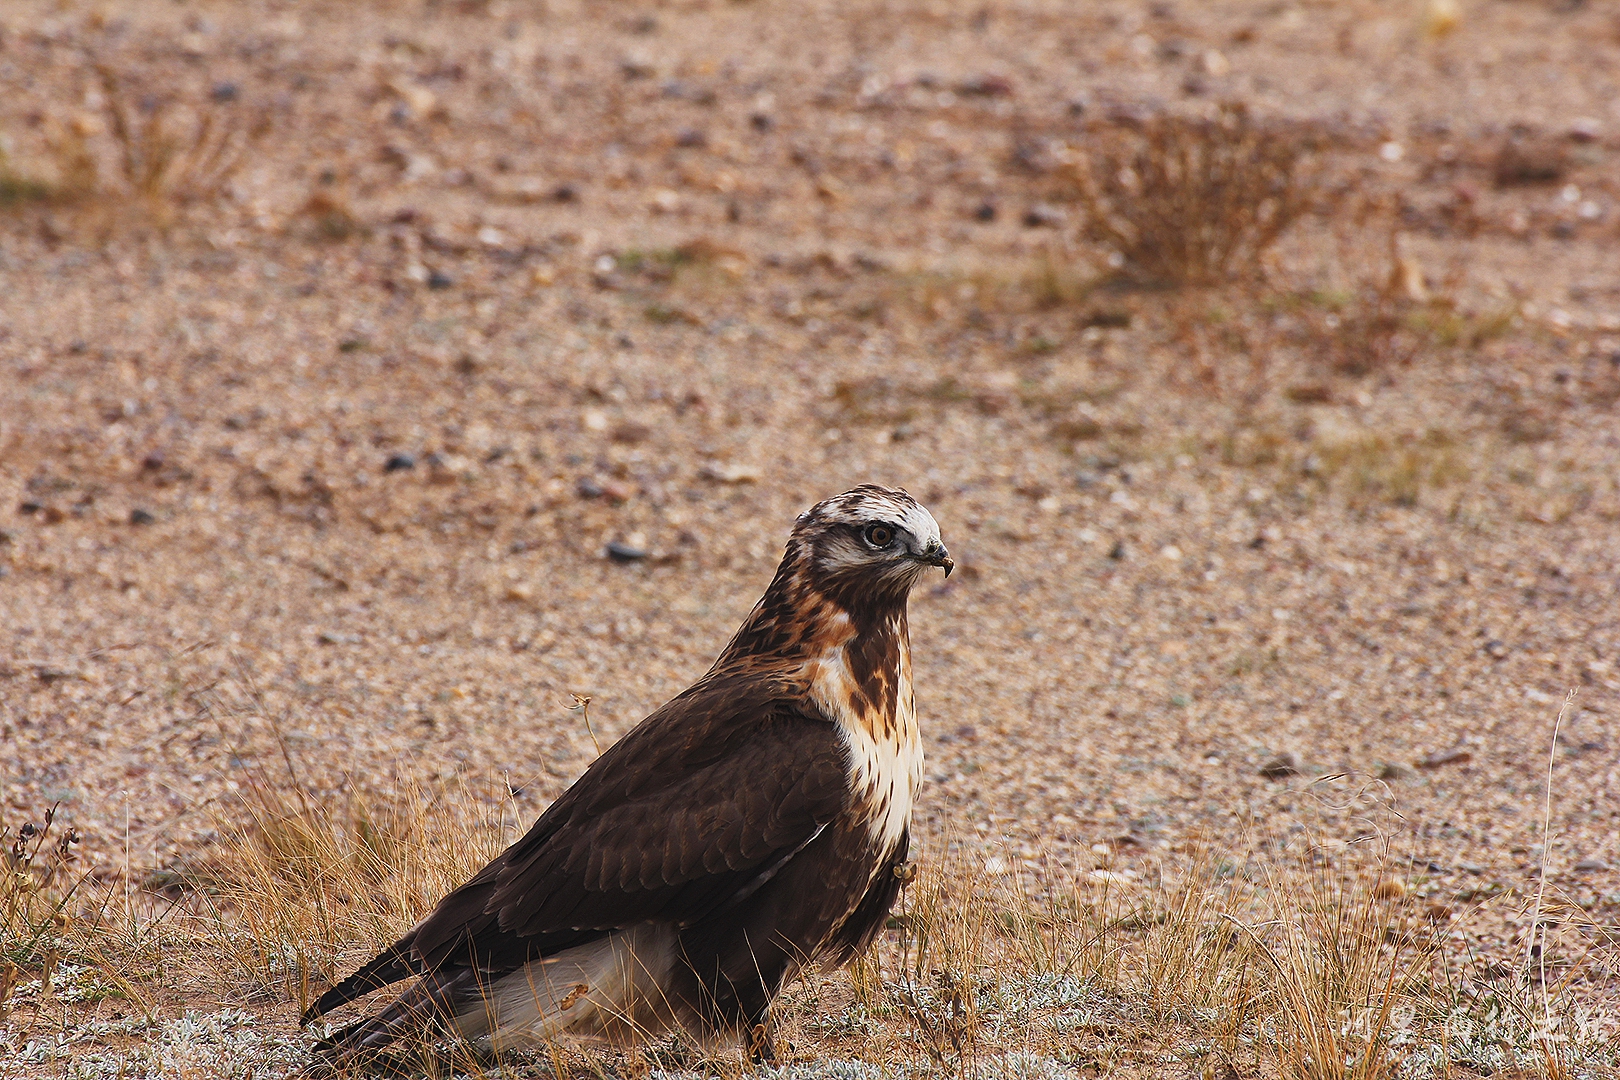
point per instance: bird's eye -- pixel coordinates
(879, 536)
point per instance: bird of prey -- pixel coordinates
(756, 823)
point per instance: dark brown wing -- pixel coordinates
(693, 810)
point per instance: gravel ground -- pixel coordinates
(341, 454)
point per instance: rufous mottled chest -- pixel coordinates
(863, 683)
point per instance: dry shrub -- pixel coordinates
(170, 150)
(154, 148)
(36, 894)
(66, 937)
(1190, 200)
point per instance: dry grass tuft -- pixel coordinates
(1195, 201)
(17, 185)
(1346, 951)
(306, 885)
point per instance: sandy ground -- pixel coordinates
(666, 275)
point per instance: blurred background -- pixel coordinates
(376, 376)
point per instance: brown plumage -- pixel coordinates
(754, 824)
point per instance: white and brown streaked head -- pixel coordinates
(851, 560)
(867, 546)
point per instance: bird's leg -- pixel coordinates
(762, 1044)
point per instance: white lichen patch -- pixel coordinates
(224, 1045)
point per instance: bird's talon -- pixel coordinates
(761, 1047)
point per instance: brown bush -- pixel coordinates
(1194, 201)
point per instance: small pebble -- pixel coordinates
(986, 86)
(399, 462)
(1456, 756)
(1389, 889)
(1280, 767)
(224, 92)
(985, 212)
(1042, 216)
(141, 517)
(1585, 129)
(589, 487)
(438, 279)
(624, 553)
(1591, 866)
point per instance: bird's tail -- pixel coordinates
(390, 966)
(431, 1002)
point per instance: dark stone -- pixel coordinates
(624, 553)
(1042, 216)
(399, 462)
(1280, 767)
(985, 212)
(138, 516)
(224, 92)
(439, 280)
(1454, 756)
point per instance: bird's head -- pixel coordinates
(850, 564)
(868, 544)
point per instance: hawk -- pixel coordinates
(756, 823)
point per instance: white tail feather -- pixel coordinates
(609, 989)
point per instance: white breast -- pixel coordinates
(885, 760)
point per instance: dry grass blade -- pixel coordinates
(1191, 201)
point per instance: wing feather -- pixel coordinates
(673, 822)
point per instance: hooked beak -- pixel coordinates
(936, 555)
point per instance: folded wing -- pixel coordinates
(691, 812)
